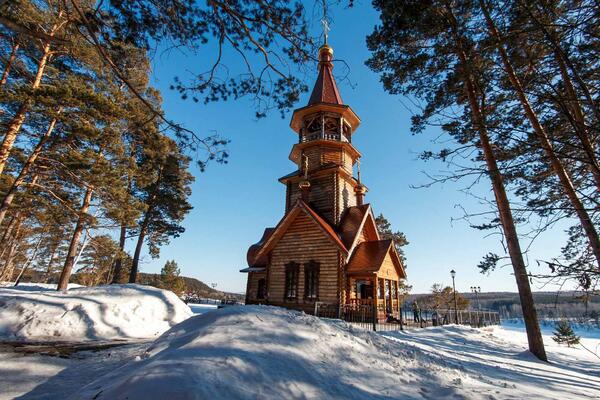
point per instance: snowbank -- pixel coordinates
(95, 313)
(34, 286)
(270, 353)
(202, 308)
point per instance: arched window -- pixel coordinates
(311, 280)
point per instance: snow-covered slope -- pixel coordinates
(95, 313)
(258, 352)
(34, 286)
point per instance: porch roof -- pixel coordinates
(369, 257)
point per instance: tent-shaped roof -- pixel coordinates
(325, 89)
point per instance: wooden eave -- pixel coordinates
(298, 147)
(296, 176)
(342, 109)
(398, 262)
(289, 218)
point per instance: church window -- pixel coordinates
(291, 280)
(311, 280)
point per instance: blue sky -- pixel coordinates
(233, 203)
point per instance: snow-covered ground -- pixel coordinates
(202, 308)
(34, 313)
(250, 352)
(589, 331)
(35, 286)
(264, 352)
(42, 377)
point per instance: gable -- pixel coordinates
(388, 268)
(310, 218)
(302, 233)
(378, 256)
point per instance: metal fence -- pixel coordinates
(374, 318)
(473, 318)
(358, 315)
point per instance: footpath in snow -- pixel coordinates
(36, 313)
(271, 353)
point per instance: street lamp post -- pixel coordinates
(453, 274)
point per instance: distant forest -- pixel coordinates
(548, 304)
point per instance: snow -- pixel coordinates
(114, 312)
(250, 352)
(35, 287)
(40, 377)
(547, 326)
(202, 308)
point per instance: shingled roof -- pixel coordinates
(325, 90)
(352, 222)
(369, 256)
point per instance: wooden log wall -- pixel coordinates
(252, 285)
(303, 242)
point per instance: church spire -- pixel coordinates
(325, 90)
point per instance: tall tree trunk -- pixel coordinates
(119, 260)
(10, 193)
(9, 63)
(136, 256)
(7, 270)
(118, 265)
(50, 264)
(532, 327)
(144, 228)
(13, 226)
(65, 274)
(29, 260)
(556, 164)
(17, 121)
(6, 234)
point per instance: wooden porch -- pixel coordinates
(375, 291)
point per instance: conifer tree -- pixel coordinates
(170, 279)
(563, 333)
(164, 188)
(386, 232)
(433, 51)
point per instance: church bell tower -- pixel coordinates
(324, 153)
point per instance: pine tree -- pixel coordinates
(564, 333)
(164, 188)
(435, 51)
(170, 279)
(386, 232)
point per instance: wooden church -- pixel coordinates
(326, 248)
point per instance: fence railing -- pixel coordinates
(375, 318)
(473, 318)
(364, 316)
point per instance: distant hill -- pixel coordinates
(549, 304)
(193, 285)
